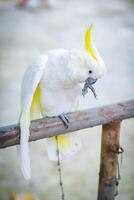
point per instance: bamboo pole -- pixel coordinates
(48, 127)
(109, 161)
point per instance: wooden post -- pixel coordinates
(109, 161)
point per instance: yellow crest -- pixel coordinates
(88, 38)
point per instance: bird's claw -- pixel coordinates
(64, 119)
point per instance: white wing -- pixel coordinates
(30, 82)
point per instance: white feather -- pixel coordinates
(59, 73)
(74, 146)
(100, 61)
(30, 81)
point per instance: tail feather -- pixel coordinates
(68, 145)
(23, 148)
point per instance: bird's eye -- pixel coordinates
(90, 71)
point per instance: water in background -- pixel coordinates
(24, 34)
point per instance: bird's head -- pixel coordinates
(86, 65)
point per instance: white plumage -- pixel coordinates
(54, 81)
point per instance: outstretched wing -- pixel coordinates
(30, 84)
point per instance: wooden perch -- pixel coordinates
(47, 127)
(109, 117)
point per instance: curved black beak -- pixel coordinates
(88, 84)
(91, 81)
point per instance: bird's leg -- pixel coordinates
(64, 119)
(93, 90)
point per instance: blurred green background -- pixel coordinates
(26, 33)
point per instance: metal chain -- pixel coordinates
(59, 171)
(120, 151)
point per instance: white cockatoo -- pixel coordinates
(52, 87)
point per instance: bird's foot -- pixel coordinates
(64, 119)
